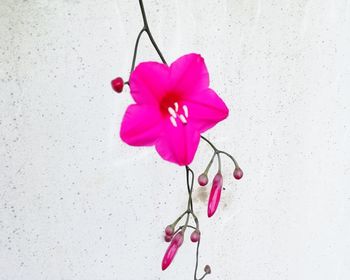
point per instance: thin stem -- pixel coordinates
(189, 186)
(196, 265)
(144, 18)
(186, 223)
(209, 164)
(197, 256)
(210, 143)
(179, 218)
(219, 161)
(189, 189)
(181, 227)
(190, 204)
(135, 50)
(155, 45)
(148, 31)
(195, 220)
(217, 151)
(231, 157)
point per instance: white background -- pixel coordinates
(77, 203)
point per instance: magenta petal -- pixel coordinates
(141, 125)
(149, 82)
(178, 144)
(206, 109)
(189, 74)
(215, 194)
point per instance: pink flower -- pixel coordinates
(174, 105)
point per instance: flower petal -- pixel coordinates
(178, 144)
(206, 109)
(141, 125)
(189, 73)
(149, 82)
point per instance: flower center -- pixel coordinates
(173, 108)
(177, 113)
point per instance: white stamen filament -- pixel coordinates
(183, 119)
(185, 109)
(172, 112)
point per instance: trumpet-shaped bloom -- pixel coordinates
(173, 106)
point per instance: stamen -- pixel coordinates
(173, 121)
(184, 107)
(183, 119)
(176, 106)
(172, 112)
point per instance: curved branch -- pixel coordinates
(148, 31)
(135, 50)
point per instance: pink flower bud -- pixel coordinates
(169, 230)
(167, 238)
(203, 179)
(238, 173)
(172, 250)
(195, 236)
(179, 238)
(215, 194)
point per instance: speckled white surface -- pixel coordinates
(77, 203)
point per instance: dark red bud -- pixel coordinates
(195, 236)
(167, 238)
(238, 173)
(117, 84)
(203, 179)
(169, 230)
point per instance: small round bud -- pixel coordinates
(207, 269)
(117, 84)
(203, 179)
(169, 230)
(195, 236)
(167, 238)
(238, 173)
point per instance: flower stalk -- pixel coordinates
(195, 235)
(146, 29)
(174, 233)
